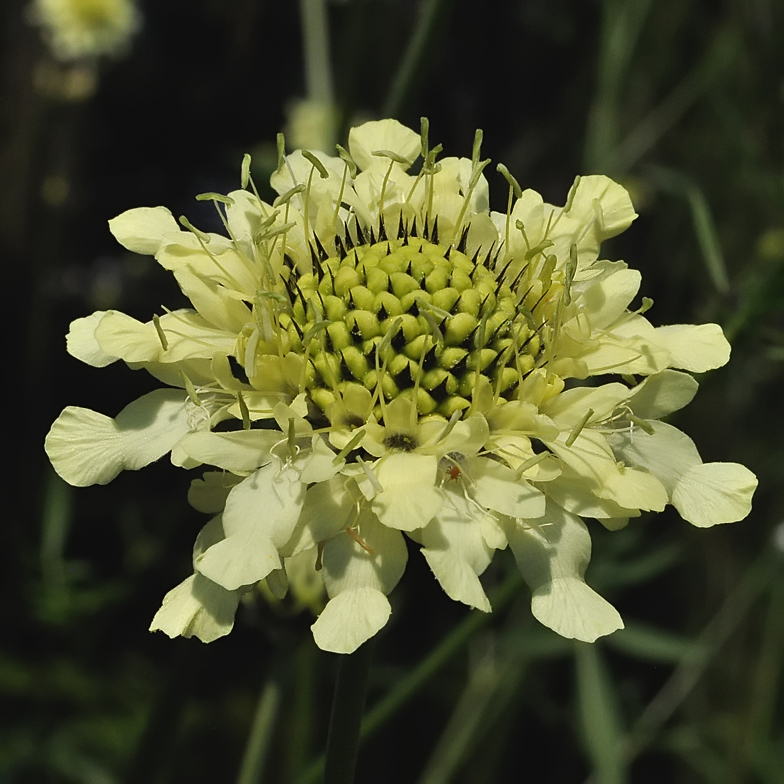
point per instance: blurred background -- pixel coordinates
(683, 102)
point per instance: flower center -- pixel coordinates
(408, 317)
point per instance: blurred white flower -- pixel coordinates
(80, 29)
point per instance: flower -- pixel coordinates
(77, 29)
(389, 359)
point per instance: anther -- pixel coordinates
(284, 198)
(531, 462)
(245, 171)
(189, 388)
(349, 447)
(311, 158)
(579, 426)
(513, 183)
(215, 197)
(203, 236)
(159, 329)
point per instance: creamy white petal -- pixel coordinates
(607, 298)
(347, 565)
(186, 334)
(552, 558)
(208, 494)
(197, 607)
(455, 549)
(667, 453)
(260, 515)
(599, 198)
(82, 343)
(569, 408)
(714, 493)
(496, 486)
(325, 512)
(351, 618)
(357, 581)
(409, 498)
(144, 229)
(695, 347)
(240, 451)
(662, 393)
(88, 448)
(578, 496)
(319, 465)
(382, 135)
(213, 302)
(591, 457)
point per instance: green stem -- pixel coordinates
(315, 39)
(408, 686)
(346, 718)
(260, 737)
(412, 59)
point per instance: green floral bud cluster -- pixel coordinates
(409, 316)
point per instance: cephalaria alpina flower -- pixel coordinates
(377, 355)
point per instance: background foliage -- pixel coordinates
(681, 101)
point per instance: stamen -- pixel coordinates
(346, 156)
(392, 156)
(530, 463)
(189, 388)
(449, 427)
(201, 235)
(360, 541)
(377, 486)
(349, 447)
(521, 228)
(291, 439)
(641, 423)
(571, 269)
(311, 158)
(245, 171)
(284, 198)
(514, 185)
(572, 193)
(156, 320)
(281, 144)
(579, 426)
(243, 410)
(538, 249)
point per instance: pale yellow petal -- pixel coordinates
(88, 448)
(144, 229)
(197, 607)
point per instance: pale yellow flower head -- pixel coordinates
(388, 359)
(77, 29)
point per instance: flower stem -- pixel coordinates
(346, 718)
(260, 737)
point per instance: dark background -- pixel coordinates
(680, 101)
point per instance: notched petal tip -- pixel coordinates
(196, 607)
(351, 618)
(143, 229)
(714, 493)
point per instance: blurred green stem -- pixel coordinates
(260, 737)
(412, 59)
(408, 686)
(622, 22)
(346, 718)
(315, 40)
(680, 684)
(702, 219)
